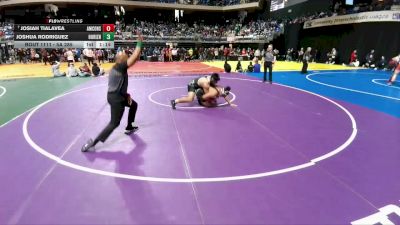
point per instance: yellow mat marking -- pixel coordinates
(32, 70)
(40, 70)
(283, 66)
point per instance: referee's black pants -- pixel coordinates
(118, 104)
(267, 65)
(90, 60)
(305, 66)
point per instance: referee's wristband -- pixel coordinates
(139, 44)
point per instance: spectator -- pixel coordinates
(226, 53)
(332, 56)
(251, 53)
(89, 55)
(169, 50)
(12, 55)
(227, 67)
(70, 56)
(100, 56)
(45, 56)
(370, 59)
(187, 56)
(21, 55)
(216, 53)
(84, 71)
(78, 54)
(300, 54)
(317, 56)
(244, 52)
(239, 67)
(97, 71)
(31, 54)
(337, 6)
(55, 68)
(105, 55)
(257, 54)
(174, 53)
(250, 68)
(382, 64)
(356, 63)
(191, 52)
(353, 57)
(257, 67)
(72, 71)
(289, 55)
(111, 56)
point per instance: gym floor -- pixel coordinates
(321, 148)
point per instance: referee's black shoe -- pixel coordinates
(89, 144)
(130, 130)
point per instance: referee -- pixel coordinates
(269, 60)
(118, 97)
(306, 59)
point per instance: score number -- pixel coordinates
(108, 32)
(108, 27)
(108, 36)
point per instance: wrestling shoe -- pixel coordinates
(173, 104)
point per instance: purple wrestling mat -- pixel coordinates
(283, 156)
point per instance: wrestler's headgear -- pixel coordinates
(225, 91)
(214, 79)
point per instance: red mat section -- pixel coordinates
(171, 68)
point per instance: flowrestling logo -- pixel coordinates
(64, 21)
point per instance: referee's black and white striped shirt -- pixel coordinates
(269, 56)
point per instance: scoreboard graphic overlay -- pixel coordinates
(61, 34)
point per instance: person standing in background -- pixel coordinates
(78, 53)
(12, 55)
(226, 53)
(216, 53)
(257, 54)
(257, 66)
(269, 60)
(100, 55)
(301, 54)
(90, 56)
(306, 59)
(227, 67)
(45, 56)
(70, 56)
